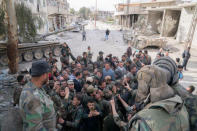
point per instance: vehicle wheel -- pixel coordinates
(46, 52)
(38, 54)
(4, 60)
(28, 56)
(57, 51)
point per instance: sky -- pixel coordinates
(104, 5)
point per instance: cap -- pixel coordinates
(100, 52)
(70, 82)
(39, 68)
(90, 79)
(90, 89)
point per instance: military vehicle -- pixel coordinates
(141, 41)
(36, 50)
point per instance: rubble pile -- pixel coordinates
(143, 36)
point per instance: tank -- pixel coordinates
(34, 50)
(141, 41)
(29, 51)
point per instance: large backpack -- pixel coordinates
(12, 120)
(190, 102)
(191, 105)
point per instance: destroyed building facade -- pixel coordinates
(164, 18)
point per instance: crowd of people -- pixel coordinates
(85, 95)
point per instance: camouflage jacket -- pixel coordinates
(17, 92)
(165, 115)
(37, 109)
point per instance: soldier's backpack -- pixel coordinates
(12, 121)
(191, 105)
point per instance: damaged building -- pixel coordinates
(161, 19)
(58, 13)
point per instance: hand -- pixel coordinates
(127, 87)
(112, 102)
(60, 120)
(95, 113)
(90, 114)
(119, 97)
(67, 92)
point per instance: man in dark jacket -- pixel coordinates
(107, 34)
(77, 83)
(186, 55)
(91, 117)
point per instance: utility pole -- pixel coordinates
(95, 14)
(12, 44)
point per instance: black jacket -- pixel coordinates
(78, 85)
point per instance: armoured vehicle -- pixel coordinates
(37, 50)
(141, 41)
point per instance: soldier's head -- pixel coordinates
(65, 45)
(78, 66)
(70, 84)
(39, 72)
(62, 91)
(133, 69)
(63, 83)
(91, 90)
(190, 89)
(107, 66)
(78, 75)
(89, 48)
(123, 58)
(85, 54)
(89, 80)
(108, 79)
(107, 94)
(91, 104)
(145, 52)
(120, 64)
(20, 79)
(76, 100)
(100, 53)
(57, 86)
(152, 81)
(50, 54)
(102, 84)
(65, 75)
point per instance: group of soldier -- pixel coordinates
(110, 94)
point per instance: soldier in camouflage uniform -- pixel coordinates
(74, 112)
(36, 106)
(18, 89)
(100, 60)
(159, 109)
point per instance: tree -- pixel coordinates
(12, 45)
(72, 11)
(2, 24)
(84, 12)
(27, 23)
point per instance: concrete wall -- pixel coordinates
(153, 18)
(184, 24)
(194, 42)
(171, 22)
(42, 13)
